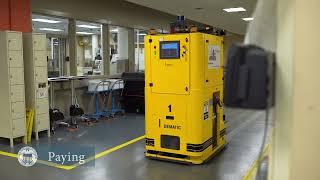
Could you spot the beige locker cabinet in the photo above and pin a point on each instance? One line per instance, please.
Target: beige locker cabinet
(12, 89)
(36, 80)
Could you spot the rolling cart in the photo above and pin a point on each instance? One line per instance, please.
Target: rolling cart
(56, 116)
(75, 109)
(107, 89)
(116, 88)
(100, 89)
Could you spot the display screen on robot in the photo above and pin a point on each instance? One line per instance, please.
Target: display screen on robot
(170, 50)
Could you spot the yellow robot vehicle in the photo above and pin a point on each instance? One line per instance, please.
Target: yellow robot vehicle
(184, 92)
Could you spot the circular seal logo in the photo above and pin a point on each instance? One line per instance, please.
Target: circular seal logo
(27, 156)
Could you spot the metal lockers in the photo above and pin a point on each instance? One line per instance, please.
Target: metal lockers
(12, 92)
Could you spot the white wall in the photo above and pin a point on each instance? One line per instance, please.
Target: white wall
(296, 141)
(139, 56)
(116, 12)
(284, 91)
(306, 127)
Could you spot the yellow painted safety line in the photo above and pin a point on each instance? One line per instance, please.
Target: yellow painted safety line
(59, 166)
(38, 161)
(250, 174)
(8, 154)
(108, 151)
(99, 155)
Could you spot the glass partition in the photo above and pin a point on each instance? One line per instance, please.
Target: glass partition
(139, 49)
(118, 50)
(89, 46)
(56, 30)
(89, 52)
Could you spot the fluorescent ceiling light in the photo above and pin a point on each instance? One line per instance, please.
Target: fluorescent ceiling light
(114, 30)
(50, 29)
(88, 26)
(238, 9)
(46, 21)
(84, 33)
(142, 34)
(248, 19)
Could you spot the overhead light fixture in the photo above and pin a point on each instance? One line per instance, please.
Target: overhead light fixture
(88, 26)
(85, 33)
(248, 19)
(238, 9)
(46, 21)
(114, 30)
(142, 34)
(50, 29)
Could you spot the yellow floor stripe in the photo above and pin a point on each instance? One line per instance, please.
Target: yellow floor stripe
(55, 165)
(99, 155)
(251, 173)
(108, 151)
(39, 161)
(119, 147)
(8, 154)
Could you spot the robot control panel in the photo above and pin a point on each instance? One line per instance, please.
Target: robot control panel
(170, 50)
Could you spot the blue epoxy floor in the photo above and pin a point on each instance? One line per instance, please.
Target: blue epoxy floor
(103, 135)
(245, 129)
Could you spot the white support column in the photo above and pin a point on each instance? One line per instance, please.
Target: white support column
(95, 45)
(123, 43)
(137, 51)
(72, 47)
(131, 50)
(106, 48)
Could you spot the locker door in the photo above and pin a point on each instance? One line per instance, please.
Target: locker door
(15, 41)
(18, 110)
(40, 58)
(170, 64)
(39, 42)
(17, 93)
(15, 59)
(42, 121)
(19, 127)
(16, 76)
(41, 74)
(42, 106)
